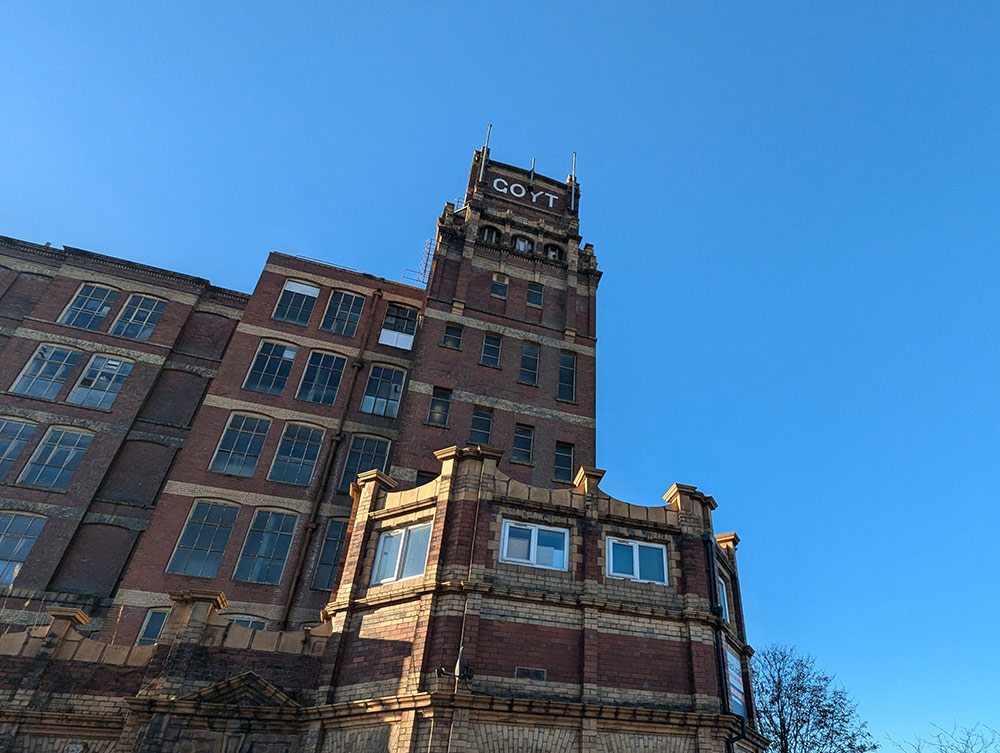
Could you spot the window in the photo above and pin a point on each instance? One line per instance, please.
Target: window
(482, 425)
(554, 252)
(401, 554)
(17, 535)
(296, 456)
(635, 560)
(203, 540)
(343, 314)
(266, 547)
(491, 351)
(45, 373)
(567, 377)
(329, 556)
(152, 626)
(101, 381)
(524, 245)
(734, 672)
(55, 458)
(440, 405)
(399, 327)
(452, 336)
(530, 544)
(425, 477)
(562, 469)
(523, 438)
(89, 307)
(723, 597)
(321, 378)
(489, 234)
(139, 317)
(270, 368)
(366, 453)
(383, 392)
(13, 436)
(240, 445)
(499, 287)
(247, 621)
(535, 294)
(529, 364)
(296, 303)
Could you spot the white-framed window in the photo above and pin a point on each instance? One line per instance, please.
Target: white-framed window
(383, 391)
(399, 327)
(723, 596)
(89, 307)
(535, 545)
(266, 547)
(18, 533)
(55, 458)
(295, 458)
(321, 378)
(203, 541)
(401, 553)
(240, 445)
(637, 560)
(14, 435)
(247, 620)
(295, 305)
(46, 371)
(139, 317)
(152, 626)
(270, 368)
(100, 383)
(343, 313)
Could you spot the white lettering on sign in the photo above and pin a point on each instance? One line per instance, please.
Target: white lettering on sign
(519, 191)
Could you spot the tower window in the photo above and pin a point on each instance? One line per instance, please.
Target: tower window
(567, 377)
(452, 336)
(535, 294)
(488, 234)
(296, 303)
(499, 287)
(555, 253)
(524, 436)
(562, 469)
(482, 425)
(491, 351)
(529, 364)
(440, 405)
(524, 245)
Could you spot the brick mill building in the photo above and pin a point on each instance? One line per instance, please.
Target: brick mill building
(342, 513)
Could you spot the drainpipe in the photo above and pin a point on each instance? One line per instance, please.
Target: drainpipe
(335, 441)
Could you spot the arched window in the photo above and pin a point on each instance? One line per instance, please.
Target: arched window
(555, 253)
(524, 245)
(489, 234)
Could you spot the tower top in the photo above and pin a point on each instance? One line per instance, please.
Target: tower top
(524, 191)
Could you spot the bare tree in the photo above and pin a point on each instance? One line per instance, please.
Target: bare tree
(799, 708)
(975, 739)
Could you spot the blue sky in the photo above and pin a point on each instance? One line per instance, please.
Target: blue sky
(795, 206)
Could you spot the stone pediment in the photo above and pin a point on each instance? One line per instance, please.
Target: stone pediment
(247, 689)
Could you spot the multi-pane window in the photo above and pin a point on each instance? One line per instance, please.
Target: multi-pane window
(536, 294)
(366, 453)
(636, 560)
(152, 626)
(440, 405)
(491, 351)
(266, 547)
(329, 556)
(529, 364)
(321, 378)
(452, 336)
(383, 391)
(270, 368)
(523, 438)
(723, 597)
(55, 458)
(524, 245)
(139, 318)
(554, 252)
(101, 381)
(401, 553)
(499, 287)
(530, 544)
(489, 234)
(45, 373)
(89, 307)
(241, 445)
(296, 456)
(343, 314)
(17, 535)
(203, 540)
(567, 377)
(13, 436)
(562, 469)
(247, 621)
(399, 327)
(296, 303)
(482, 425)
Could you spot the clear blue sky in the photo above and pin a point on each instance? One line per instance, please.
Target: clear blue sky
(795, 206)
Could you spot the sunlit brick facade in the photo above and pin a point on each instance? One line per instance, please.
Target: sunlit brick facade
(237, 515)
